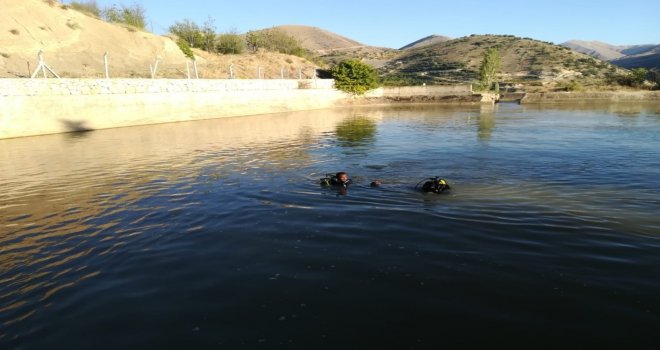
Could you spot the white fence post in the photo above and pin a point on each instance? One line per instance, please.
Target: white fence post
(195, 67)
(43, 67)
(105, 65)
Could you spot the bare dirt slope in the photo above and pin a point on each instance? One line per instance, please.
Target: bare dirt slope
(74, 43)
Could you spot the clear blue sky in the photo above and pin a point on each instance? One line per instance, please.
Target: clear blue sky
(397, 23)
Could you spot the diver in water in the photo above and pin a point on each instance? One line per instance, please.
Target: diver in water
(434, 185)
(340, 179)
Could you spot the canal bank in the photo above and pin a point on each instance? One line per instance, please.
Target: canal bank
(587, 97)
(50, 106)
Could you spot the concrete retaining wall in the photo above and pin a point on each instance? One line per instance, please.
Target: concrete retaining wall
(427, 91)
(585, 97)
(46, 106)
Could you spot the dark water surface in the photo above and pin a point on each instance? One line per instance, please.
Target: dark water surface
(216, 234)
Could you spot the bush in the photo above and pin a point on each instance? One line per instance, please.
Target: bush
(571, 86)
(134, 15)
(185, 48)
(275, 40)
(189, 31)
(635, 78)
(89, 7)
(231, 43)
(354, 76)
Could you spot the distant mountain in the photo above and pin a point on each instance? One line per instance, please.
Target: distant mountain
(647, 59)
(319, 40)
(523, 60)
(627, 56)
(429, 40)
(637, 49)
(334, 47)
(601, 50)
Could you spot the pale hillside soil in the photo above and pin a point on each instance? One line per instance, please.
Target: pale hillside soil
(74, 45)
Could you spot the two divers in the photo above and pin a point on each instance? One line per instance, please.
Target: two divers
(341, 181)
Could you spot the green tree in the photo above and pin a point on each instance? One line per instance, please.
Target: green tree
(255, 40)
(208, 35)
(231, 43)
(355, 77)
(188, 31)
(489, 68)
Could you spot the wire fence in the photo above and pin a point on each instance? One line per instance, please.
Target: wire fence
(84, 65)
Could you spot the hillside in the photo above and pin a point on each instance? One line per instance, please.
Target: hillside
(524, 61)
(429, 40)
(74, 43)
(334, 47)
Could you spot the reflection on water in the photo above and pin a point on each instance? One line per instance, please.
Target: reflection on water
(355, 131)
(486, 122)
(216, 233)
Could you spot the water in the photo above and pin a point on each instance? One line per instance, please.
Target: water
(216, 234)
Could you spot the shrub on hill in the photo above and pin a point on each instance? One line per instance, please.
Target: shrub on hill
(89, 7)
(188, 31)
(185, 48)
(230, 43)
(354, 76)
(274, 40)
(134, 16)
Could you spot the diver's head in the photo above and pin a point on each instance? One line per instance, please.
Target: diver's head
(342, 177)
(435, 185)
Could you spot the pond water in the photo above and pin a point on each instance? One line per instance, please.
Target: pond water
(216, 234)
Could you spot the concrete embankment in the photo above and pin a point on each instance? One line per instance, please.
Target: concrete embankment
(587, 97)
(47, 106)
(454, 94)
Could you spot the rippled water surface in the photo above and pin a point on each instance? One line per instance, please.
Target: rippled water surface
(216, 234)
